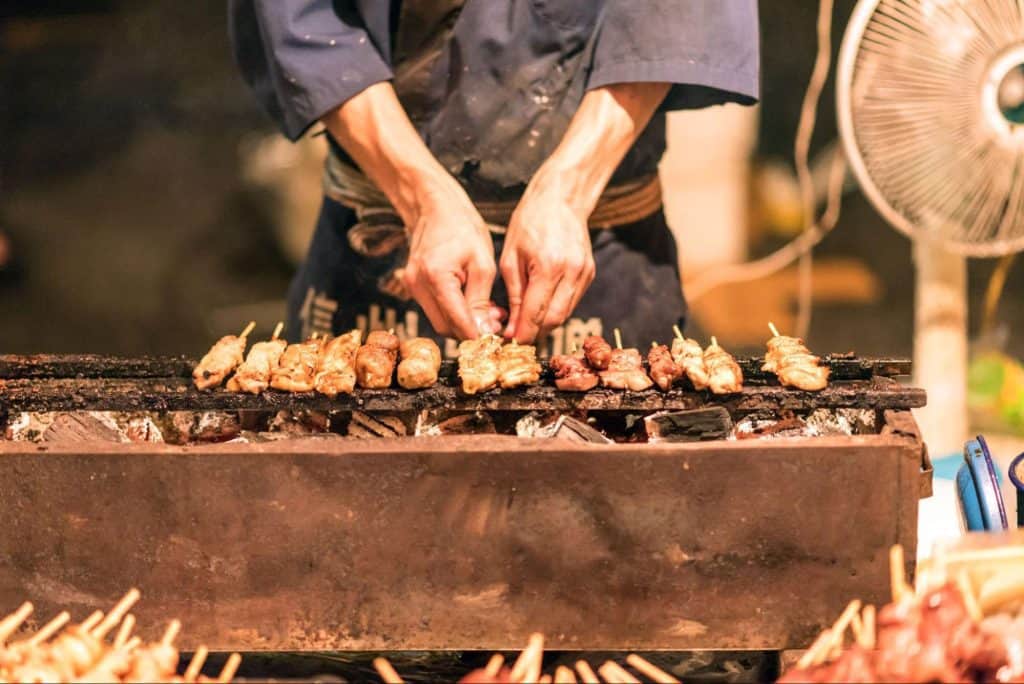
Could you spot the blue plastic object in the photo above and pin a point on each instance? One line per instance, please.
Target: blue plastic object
(981, 502)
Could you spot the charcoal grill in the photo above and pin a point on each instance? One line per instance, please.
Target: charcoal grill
(460, 542)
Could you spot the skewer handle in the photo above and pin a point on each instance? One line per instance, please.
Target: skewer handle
(248, 329)
(677, 331)
(195, 666)
(775, 331)
(386, 671)
(230, 668)
(277, 330)
(618, 338)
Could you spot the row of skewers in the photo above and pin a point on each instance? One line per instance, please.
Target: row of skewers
(528, 667)
(81, 653)
(934, 632)
(337, 365)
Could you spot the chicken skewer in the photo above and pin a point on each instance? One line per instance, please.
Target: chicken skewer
(572, 372)
(724, 374)
(336, 370)
(224, 356)
(375, 360)
(517, 365)
(479, 364)
(625, 369)
(664, 370)
(597, 352)
(421, 361)
(690, 355)
(296, 369)
(793, 363)
(253, 376)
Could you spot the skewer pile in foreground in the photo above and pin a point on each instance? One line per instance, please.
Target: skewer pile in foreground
(80, 653)
(527, 669)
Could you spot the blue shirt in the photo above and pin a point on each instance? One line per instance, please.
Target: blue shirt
(508, 74)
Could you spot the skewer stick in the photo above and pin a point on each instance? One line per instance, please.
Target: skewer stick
(618, 338)
(545, 679)
(897, 573)
(811, 657)
(386, 671)
(10, 624)
(564, 675)
(118, 612)
(230, 668)
(775, 331)
(277, 330)
(650, 670)
(574, 348)
(91, 621)
(195, 666)
(963, 582)
(843, 621)
(586, 672)
(615, 674)
(248, 329)
(525, 662)
(125, 631)
(714, 341)
(49, 629)
(494, 665)
(678, 332)
(132, 644)
(172, 631)
(869, 627)
(857, 625)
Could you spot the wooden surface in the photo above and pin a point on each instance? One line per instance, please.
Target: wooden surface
(462, 543)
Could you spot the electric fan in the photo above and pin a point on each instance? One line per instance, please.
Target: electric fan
(930, 98)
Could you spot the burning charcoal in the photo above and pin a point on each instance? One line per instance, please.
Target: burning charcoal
(434, 423)
(83, 427)
(688, 426)
(300, 422)
(369, 426)
(28, 427)
(216, 426)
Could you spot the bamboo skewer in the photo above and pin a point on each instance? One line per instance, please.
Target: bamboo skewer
(118, 612)
(91, 621)
(248, 329)
(10, 624)
(132, 644)
(172, 632)
(869, 627)
(970, 600)
(386, 671)
(564, 675)
(897, 573)
(545, 679)
(49, 629)
(125, 631)
(811, 657)
(494, 665)
(838, 628)
(678, 332)
(230, 667)
(586, 672)
(618, 338)
(775, 331)
(277, 330)
(650, 670)
(195, 666)
(613, 673)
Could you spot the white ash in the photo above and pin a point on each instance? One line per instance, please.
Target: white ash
(80, 426)
(436, 423)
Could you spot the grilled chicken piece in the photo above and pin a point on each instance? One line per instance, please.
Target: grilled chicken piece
(375, 360)
(690, 355)
(572, 374)
(223, 357)
(253, 376)
(626, 371)
(724, 374)
(479, 364)
(421, 360)
(794, 364)
(664, 369)
(517, 365)
(296, 369)
(336, 372)
(597, 352)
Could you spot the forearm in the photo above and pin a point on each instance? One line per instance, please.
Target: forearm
(609, 120)
(377, 133)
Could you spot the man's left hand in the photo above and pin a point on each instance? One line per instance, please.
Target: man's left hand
(546, 262)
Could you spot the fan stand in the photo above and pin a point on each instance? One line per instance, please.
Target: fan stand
(940, 345)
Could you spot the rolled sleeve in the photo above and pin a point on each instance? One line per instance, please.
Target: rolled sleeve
(306, 58)
(708, 49)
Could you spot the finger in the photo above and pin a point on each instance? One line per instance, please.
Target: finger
(479, 283)
(421, 294)
(446, 289)
(561, 307)
(536, 300)
(513, 273)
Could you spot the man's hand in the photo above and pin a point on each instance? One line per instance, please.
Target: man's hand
(451, 256)
(451, 262)
(547, 262)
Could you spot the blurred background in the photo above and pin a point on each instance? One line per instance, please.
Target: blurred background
(147, 206)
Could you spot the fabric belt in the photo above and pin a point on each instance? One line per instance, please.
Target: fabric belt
(619, 205)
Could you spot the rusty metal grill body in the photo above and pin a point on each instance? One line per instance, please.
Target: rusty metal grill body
(459, 542)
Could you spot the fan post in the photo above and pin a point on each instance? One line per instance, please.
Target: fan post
(940, 345)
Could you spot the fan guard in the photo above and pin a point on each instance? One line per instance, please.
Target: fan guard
(931, 112)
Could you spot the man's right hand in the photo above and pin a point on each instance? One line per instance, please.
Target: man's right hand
(451, 257)
(451, 267)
